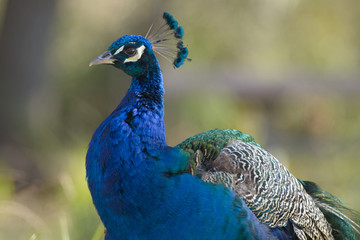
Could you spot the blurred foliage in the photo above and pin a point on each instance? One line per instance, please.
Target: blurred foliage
(315, 134)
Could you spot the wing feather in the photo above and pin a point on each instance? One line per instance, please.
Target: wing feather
(267, 187)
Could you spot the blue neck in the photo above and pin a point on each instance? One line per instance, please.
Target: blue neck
(143, 105)
(150, 83)
(125, 145)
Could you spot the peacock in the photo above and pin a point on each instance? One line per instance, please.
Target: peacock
(219, 184)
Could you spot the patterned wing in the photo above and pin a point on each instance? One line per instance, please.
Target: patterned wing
(268, 188)
(233, 159)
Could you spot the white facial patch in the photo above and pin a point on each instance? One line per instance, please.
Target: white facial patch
(140, 51)
(119, 50)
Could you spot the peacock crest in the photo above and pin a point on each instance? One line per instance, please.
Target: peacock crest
(166, 39)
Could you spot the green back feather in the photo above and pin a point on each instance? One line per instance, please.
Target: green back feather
(209, 144)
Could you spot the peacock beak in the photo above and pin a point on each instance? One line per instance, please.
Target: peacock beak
(105, 58)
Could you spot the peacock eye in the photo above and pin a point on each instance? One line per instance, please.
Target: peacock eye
(130, 51)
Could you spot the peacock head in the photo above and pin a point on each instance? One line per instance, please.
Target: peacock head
(134, 54)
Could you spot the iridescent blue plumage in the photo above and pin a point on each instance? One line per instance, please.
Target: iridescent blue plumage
(144, 189)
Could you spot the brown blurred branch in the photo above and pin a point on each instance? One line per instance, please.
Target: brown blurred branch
(23, 43)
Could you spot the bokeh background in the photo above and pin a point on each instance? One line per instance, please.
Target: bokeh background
(284, 71)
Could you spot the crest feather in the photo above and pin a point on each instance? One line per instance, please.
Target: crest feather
(166, 39)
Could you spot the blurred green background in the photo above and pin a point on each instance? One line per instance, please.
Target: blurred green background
(284, 71)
